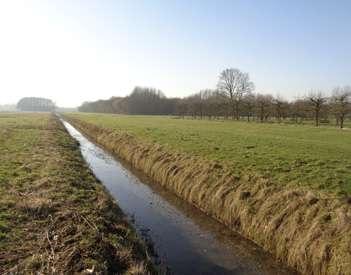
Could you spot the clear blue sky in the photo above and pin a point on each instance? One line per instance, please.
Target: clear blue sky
(73, 51)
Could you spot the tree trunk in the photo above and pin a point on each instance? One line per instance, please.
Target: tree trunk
(261, 114)
(233, 110)
(341, 121)
(237, 110)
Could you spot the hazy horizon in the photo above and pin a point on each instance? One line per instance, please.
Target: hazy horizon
(80, 51)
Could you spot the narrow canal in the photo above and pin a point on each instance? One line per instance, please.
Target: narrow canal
(184, 239)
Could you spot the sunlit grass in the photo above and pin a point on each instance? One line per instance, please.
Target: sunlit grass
(307, 156)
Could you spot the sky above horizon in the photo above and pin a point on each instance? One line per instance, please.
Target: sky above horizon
(75, 51)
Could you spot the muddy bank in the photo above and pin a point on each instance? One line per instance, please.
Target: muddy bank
(302, 229)
(56, 217)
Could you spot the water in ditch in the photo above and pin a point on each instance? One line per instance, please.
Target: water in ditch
(185, 240)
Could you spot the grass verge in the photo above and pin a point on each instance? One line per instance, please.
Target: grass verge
(55, 217)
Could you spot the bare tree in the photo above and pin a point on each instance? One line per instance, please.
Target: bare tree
(263, 104)
(280, 108)
(210, 104)
(340, 104)
(234, 84)
(317, 100)
(249, 105)
(299, 110)
(195, 104)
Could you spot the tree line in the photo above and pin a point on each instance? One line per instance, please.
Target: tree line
(233, 98)
(142, 101)
(36, 104)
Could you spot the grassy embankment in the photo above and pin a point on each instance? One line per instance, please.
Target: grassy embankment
(55, 217)
(285, 187)
(305, 156)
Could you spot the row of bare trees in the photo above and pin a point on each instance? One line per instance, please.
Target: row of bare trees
(233, 98)
(263, 108)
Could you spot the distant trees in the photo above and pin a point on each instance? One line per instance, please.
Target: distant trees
(142, 101)
(340, 104)
(249, 104)
(233, 99)
(264, 106)
(299, 110)
(36, 104)
(199, 105)
(317, 101)
(234, 85)
(281, 108)
(148, 101)
(100, 106)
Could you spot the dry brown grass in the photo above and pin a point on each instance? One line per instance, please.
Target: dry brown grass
(308, 231)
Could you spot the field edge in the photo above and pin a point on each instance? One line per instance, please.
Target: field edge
(64, 219)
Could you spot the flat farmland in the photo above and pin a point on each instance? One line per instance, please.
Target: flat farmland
(292, 155)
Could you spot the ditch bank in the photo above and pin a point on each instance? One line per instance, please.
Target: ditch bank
(305, 230)
(56, 217)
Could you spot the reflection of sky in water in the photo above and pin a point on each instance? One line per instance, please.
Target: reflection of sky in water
(187, 240)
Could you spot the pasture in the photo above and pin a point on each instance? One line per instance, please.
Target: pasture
(292, 155)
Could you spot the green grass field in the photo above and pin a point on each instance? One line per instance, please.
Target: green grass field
(317, 158)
